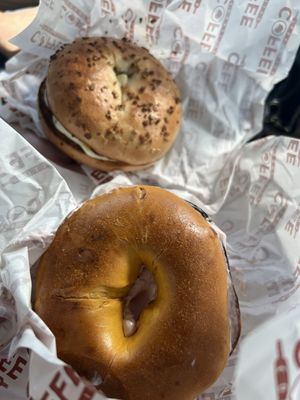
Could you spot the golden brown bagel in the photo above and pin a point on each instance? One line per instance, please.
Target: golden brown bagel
(183, 338)
(114, 97)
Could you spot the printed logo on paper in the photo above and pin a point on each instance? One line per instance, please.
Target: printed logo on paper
(66, 384)
(230, 69)
(108, 8)
(196, 106)
(286, 385)
(292, 226)
(281, 373)
(179, 51)
(99, 177)
(129, 18)
(72, 15)
(25, 163)
(190, 6)
(284, 286)
(266, 170)
(216, 26)
(48, 38)
(293, 153)
(13, 370)
(153, 20)
(281, 31)
(253, 13)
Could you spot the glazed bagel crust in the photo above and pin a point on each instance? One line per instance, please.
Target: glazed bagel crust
(116, 98)
(183, 339)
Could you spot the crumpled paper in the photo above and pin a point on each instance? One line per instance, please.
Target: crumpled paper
(278, 363)
(34, 199)
(261, 218)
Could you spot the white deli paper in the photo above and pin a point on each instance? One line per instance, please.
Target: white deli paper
(261, 217)
(276, 369)
(34, 199)
(222, 53)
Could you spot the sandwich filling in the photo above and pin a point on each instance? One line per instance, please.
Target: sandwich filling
(61, 129)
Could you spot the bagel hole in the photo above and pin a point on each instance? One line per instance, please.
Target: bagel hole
(123, 75)
(142, 292)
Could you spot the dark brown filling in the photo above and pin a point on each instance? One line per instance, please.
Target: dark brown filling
(141, 294)
(233, 303)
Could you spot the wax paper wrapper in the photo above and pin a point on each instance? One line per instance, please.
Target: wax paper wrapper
(278, 364)
(34, 199)
(225, 56)
(261, 218)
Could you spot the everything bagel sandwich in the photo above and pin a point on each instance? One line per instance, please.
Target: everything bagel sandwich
(109, 104)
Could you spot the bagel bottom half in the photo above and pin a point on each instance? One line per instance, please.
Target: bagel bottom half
(70, 149)
(182, 341)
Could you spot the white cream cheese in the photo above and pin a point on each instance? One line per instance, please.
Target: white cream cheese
(122, 79)
(86, 149)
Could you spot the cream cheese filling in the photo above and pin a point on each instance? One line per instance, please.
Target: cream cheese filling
(86, 149)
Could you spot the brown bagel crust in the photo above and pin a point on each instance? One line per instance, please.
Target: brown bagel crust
(183, 339)
(135, 124)
(77, 154)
